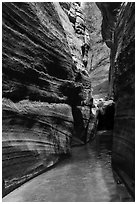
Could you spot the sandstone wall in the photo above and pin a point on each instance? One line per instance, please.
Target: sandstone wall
(41, 81)
(34, 135)
(99, 52)
(35, 50)
(121, 37)
(124, 92)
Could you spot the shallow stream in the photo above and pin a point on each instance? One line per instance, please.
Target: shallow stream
(86, 176)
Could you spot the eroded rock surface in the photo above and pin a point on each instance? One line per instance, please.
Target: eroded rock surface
(99, 53)
(74, 24)
(34, 51)
(34, 135)
(120, 33)
(49, 51)
(41, 81)
(124, 91)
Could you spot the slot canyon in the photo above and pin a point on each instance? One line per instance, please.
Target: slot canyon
(68, 101)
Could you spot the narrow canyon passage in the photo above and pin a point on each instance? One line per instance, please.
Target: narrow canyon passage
(68, 72)
(86, 176)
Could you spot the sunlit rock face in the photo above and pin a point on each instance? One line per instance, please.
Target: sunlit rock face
(74, 24)
(122, 84)
(41, 82)
(99, 53)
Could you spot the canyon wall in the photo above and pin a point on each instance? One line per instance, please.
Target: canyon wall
(53, 53)
(99, 52)
(118, 30)
(44, 80)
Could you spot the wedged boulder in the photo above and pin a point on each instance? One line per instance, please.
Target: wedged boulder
(34, 134)
(84, 125)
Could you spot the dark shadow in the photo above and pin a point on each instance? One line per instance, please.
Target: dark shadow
(106, 119)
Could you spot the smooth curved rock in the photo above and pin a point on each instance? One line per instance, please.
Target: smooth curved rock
(34, 133)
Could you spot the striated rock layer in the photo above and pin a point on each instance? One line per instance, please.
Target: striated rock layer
(99, 53)
(41, 81)
(36, 63)
(34, 134)
(34, 51)
(120, 33)
(124, 91)
(74, 24)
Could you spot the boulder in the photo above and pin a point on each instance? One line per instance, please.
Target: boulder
(84, 125)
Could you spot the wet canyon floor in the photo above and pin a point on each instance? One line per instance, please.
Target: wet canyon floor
(86, 176)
